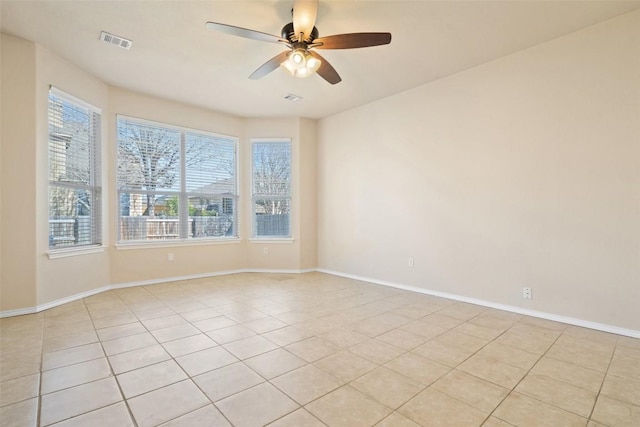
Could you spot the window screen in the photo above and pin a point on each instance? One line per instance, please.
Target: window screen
(74, 187)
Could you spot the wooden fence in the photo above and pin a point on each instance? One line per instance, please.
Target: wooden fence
(272, 225)
(69, 231)
(145, 228)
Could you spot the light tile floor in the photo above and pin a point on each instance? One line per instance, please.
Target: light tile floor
(307, 350)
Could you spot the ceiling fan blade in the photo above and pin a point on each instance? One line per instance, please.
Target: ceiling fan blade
(244, 32)
(304, 17)
(326, 71)
(352, 40)
(269, 66)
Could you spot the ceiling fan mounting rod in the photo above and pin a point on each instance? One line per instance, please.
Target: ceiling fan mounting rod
(288, 33)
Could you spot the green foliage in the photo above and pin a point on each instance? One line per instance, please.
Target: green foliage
(193, 211)
(172, 206)
(172, 209)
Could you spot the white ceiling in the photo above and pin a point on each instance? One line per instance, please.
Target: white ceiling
(175, 57)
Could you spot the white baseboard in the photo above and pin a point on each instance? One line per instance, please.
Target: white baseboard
(75, 297)
(513, 309)
(18, 312)
(52, 304)
(173, 279)
(276, 271)
(71, 298)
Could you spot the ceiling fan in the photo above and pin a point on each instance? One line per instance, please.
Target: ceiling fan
(302, 37)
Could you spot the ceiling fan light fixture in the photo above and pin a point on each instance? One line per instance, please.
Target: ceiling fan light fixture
(297, 58)
(300, 63)
(313, 63)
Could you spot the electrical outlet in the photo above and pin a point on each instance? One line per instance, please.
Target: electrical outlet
(410, 262)
(170, 256)
(265, 251)
(526, 293)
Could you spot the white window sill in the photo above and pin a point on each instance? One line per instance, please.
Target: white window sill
(271, 240)
(174, 243)
(70, 252)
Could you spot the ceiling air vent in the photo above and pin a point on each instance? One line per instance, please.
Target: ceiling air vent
(116, 40)
(293, 98)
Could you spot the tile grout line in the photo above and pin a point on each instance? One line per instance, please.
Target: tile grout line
(317, 312)
(404, 352)
(39, 405)
(411, 351)
(467, 358)
(126, 400)
(588, 418)
(126, 403)
(604, 378)
(522, 379)
(191, 378)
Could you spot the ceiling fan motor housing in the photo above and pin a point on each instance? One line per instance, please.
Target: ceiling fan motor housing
(288, 33)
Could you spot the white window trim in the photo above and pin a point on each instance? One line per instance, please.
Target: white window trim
(65, 252)
(84, 104)
(71, 252)
(173, 126)
(143, 244)
(273, 240)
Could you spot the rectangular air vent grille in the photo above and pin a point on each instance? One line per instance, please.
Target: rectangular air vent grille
(116, 40)
(293, 98)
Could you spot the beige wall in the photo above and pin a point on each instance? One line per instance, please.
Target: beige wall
(523, 172)
(299, 252)
(62, 277)
(308, 194)
(29, 277)
(142, 263)
(18, 146)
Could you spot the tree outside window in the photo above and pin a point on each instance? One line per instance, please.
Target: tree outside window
(172, 182)
(271, 188)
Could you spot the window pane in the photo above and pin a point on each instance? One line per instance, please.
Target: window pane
(211, 216)
(137, 222)
(175, 183)
(210, 164)
(74, 191)
(210, 173)
(272, 217)
(71, 138)
(271, 169)
(70, 217)
(148, 157)
(271, 189)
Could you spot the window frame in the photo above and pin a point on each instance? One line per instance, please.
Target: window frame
(94, 186)
(254, 229)
(184, 238)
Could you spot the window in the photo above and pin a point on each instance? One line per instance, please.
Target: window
(74, 173)
(271, 188)
(174, 183)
